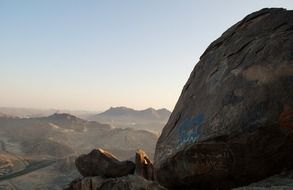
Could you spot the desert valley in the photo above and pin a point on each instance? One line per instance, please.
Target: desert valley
(39, 152)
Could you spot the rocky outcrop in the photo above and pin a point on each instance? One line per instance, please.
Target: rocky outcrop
(103, 171)
(233, 123)
(129, 182)
(102, 163)
(143, 165)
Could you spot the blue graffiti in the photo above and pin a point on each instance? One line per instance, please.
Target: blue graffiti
(190, 129)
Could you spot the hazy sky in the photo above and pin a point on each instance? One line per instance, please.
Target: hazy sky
(90, 54)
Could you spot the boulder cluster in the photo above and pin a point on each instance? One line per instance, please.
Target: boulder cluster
(233, 123)
(103, 171)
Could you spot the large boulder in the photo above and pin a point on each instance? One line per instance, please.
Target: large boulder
(102, 163)
(130, 182)
(233, 123)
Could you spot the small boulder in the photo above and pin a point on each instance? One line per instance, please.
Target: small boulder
(144, 166)
(102, 163)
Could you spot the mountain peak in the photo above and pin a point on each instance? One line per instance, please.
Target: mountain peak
(118, 111)
(120, 108)
(149, 109)
(62, 116)
(128, 116)
(163, 110)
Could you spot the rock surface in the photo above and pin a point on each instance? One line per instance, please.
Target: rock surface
(233, 123)
(130, 182)
(102, 163)
(143, 165)
(283, 181)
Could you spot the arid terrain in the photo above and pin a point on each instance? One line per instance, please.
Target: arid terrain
(39, 152)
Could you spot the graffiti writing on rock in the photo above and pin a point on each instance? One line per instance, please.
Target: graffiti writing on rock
(205, 158)
(190, 129)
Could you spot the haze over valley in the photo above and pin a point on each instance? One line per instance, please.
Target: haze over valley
(47, 146)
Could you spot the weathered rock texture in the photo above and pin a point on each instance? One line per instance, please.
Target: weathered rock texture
(283, 181)
(102, 163)
(143, 165)
(233, 123)
(130, 182)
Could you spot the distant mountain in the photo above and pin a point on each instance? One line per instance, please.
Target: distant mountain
(148, 119)
(32, 112)
(149, 114)
(68, 121)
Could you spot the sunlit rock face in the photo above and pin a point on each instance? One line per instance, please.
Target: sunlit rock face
(233, 123)
(102, 163)
(101, 170)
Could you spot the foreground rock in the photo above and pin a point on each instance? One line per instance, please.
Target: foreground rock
(130, 182)
(283, 181)
(102, 163)
(233, 123)
(143, 165)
